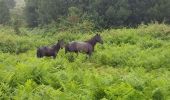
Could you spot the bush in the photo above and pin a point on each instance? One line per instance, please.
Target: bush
(123, 91)
(131, 64)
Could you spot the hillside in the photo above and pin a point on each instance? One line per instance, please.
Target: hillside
(132, 64)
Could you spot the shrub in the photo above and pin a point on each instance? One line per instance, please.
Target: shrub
(131, 64)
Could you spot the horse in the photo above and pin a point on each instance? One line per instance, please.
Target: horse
(50, 51)
(85, 46)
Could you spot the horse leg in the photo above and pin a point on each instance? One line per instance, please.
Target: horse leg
(93, 49)
(77, 53)
(54, 56)
(89, 53)
(65, 51)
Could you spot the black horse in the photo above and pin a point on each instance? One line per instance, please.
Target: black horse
(50, 51)
(85, 47)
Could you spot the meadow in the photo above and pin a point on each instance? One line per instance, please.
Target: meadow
(132, 64)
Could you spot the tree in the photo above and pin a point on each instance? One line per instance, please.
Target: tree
(4, 12)
(31, 14)
(10, 3)
(117, 14)
(104, 13)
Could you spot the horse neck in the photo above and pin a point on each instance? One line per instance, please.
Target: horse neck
(56, 47)
(92, 42)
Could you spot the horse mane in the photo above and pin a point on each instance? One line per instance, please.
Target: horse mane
(56, 47)
(92, 41)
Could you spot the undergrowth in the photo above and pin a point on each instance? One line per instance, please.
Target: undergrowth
(132, 64)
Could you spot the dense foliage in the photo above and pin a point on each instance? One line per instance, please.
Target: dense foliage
(4, 12)
(132, 64)
(97, 13)
(5, 6)
(103, 13)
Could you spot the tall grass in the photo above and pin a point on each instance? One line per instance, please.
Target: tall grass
(132, 64)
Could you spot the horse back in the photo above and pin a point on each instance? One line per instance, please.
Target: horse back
(45, 51)
(79, 46)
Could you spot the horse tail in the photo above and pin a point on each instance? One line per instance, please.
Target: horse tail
(66, 48)
(38, 53)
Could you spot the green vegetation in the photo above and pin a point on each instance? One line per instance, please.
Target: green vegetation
(132, 64)
(5, 6)
(103, 13)
(4, 15)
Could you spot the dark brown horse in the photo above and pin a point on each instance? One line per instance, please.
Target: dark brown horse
(85, 47)
(50, 51)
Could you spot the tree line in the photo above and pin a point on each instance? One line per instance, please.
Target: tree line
(5, 5)
(103, 13)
